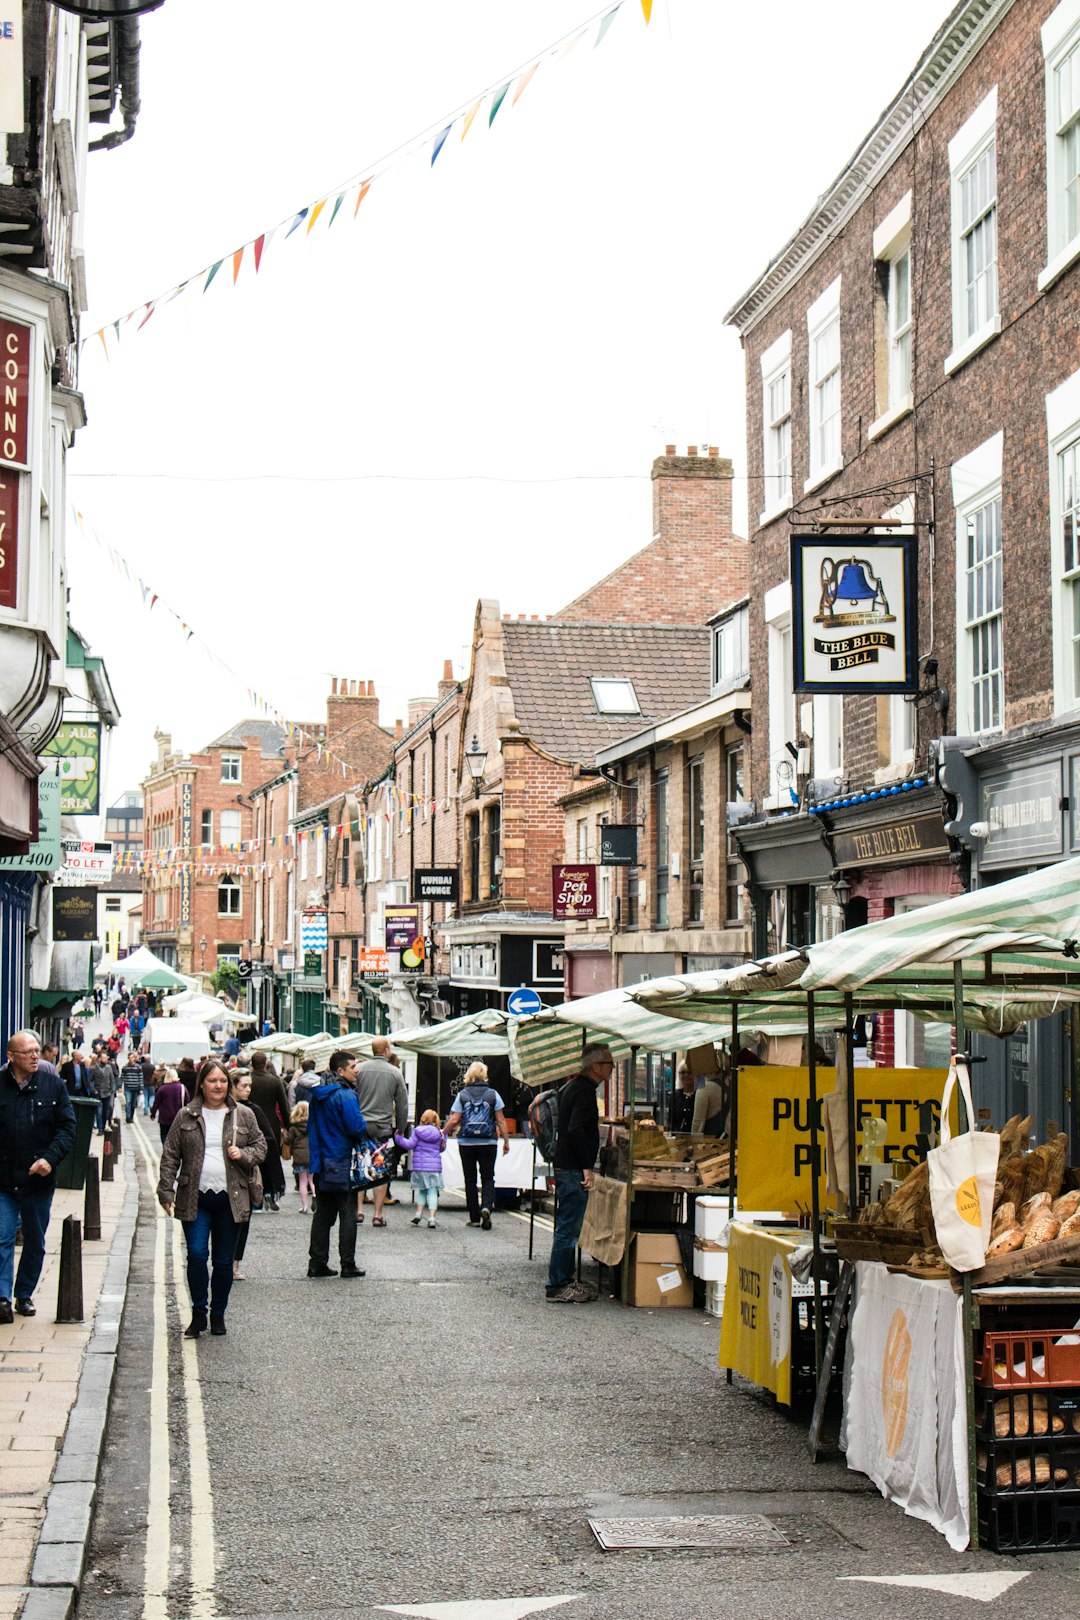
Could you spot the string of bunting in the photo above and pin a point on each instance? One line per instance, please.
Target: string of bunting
(352, 775)
(352, 192)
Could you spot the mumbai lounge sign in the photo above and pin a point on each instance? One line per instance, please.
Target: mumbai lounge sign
(854, 613)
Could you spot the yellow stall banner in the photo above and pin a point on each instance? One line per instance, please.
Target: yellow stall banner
(755, 1334)
(774, 1126)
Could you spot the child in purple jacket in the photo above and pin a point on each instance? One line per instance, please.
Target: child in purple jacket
(427, 1145)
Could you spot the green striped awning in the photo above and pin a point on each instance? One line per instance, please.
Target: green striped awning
(479, 1035)
(547, 1046)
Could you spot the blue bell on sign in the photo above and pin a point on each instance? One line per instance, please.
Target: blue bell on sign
(854, 587)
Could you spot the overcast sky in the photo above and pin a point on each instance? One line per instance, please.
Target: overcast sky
(460, 393)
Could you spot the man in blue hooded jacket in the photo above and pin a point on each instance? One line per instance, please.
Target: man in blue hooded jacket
(335, 1123)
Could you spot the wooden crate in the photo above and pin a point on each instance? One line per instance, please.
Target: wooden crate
(855, 1240)
(1022, 1261)
(713, 1172)
(667, 1176)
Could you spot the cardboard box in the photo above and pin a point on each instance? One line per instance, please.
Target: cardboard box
(657, 1278)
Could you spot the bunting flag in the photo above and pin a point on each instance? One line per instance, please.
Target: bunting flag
(646, 6)
(433, 138)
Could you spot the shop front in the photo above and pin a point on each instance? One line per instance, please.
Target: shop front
(790, 867)
(497, 953)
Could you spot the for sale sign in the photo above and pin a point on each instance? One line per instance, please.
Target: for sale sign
(573, 893)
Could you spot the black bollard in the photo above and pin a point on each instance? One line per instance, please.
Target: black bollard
(114, 1132)
(69, 1296)
(92, 1202)
(107, 1157)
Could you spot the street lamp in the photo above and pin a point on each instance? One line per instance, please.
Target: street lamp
(476, 759)
(202, 951)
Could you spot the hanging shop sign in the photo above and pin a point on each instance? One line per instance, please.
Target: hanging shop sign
(314, 932)
(573, 893)
(618, 845)
(402, 925)
(74, 914)
(77, 746)
(854, 613)
(774, 1126)
(85, 863)
(901, 840)
(43, 855)
(436, 884)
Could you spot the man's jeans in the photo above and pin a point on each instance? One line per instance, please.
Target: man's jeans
(482, 1159)
(333, 1203)
(131, 1098)
(571, 1199)
(213, 1225)
(30, 1207)
(105, 1107)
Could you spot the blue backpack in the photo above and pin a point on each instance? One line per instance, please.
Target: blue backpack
(477, 1114)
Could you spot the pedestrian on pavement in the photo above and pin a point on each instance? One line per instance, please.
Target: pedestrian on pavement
(103, 1087)
(213, 1145)
(149, 1071)
(37, 1130)
(75, 1074)
(478, 1118)
(303, 1083)
(384, 1103)
(117, 1008)
(78, 1034)
(99, 997)
(577, 1142)
(186, 1074)
(50, 1058)
(273, 1172)
(169, 1098)
(232, 1044)
(682, 1101)
(300, 1153)
(268, 1091)
(131, 1078)
(335, 1124)
(427, 1144)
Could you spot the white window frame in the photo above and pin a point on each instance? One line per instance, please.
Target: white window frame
(824, 313)
(1060, 38)
(731, 636)
(976, 481)
(828, 733)
(782, 726)
(231, 883)
(892, 244)
(776, 463)
(229, 762)
(290, 906)
(1062, 432)
(614, 695)
(320, 851)
(967, 148)
(224, 823)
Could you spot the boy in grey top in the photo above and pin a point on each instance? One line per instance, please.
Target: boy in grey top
(384, 1103)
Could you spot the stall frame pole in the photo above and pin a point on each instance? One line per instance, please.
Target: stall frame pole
(852, 1120)
(815, 1199)
(733, 1135)
(630, 1089)
(532, 1202)
(967, 1124)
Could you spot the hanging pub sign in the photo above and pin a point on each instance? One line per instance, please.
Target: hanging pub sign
(74, 915)
(618, 845)
(436, 884)
(854, 613)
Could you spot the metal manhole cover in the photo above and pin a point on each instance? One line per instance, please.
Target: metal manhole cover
(749, 1530)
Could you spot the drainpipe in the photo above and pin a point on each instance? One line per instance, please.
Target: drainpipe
(127, 52)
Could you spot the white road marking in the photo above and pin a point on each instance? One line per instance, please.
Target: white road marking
(481, 1608)
(158, 1540)
(540, 1220)
(982, 1588)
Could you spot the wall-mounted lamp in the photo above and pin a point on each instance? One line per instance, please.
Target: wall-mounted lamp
(475, 760)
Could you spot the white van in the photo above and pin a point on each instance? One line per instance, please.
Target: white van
(170, 1039)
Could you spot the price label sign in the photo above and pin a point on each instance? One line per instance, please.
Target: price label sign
(573, 893)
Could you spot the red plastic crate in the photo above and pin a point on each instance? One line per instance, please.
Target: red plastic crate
(1036, 1358)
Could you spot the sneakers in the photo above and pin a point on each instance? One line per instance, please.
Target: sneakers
(349, 1268)
(6, 1313)
(217, 1327)
(415, 1220)
(572, 1294)
(25, 1307)
(474, 1223)
(314, 1270)
(485, 1219)
(432, 1225)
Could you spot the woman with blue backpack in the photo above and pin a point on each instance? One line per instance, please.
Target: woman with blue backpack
(477, 1117)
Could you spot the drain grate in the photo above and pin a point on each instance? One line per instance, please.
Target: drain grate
(733, 1530)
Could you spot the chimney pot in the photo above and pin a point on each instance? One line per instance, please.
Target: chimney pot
(714, 450)
(691, 449)
(506, 615)
(399, 730)
(669, 449)
(521, 615)
(333, 687)
(448, 669)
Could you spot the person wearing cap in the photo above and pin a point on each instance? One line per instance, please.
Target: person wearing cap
(577, 1142)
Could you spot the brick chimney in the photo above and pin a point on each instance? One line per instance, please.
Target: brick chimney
(349, 703)
(418, 707)
(448, 683)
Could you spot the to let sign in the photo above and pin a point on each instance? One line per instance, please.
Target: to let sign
(573, 893)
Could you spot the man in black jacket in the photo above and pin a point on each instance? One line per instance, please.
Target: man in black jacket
(577, 1142)
(37, 1129)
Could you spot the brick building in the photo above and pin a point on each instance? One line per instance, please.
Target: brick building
(198, 821)
(911, 352)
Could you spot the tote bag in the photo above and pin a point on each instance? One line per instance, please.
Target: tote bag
(371, 1163)
(962, 1175)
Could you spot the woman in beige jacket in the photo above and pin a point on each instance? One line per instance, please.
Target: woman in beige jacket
(213, 1147)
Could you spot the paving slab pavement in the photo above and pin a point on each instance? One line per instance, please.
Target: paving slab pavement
(55, 1382)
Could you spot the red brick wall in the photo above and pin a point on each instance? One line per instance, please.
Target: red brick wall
(1001, 388)
(694, 566)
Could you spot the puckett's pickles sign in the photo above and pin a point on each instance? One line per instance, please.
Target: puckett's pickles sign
(854, 613)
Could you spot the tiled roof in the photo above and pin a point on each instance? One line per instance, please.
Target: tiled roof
(549, 664)
(271, 737)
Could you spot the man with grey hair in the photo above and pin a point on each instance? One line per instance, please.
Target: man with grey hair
(37, 1130)
(577, 1142)
(384, 1103)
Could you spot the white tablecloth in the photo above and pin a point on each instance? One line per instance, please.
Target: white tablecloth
(906, 1411)
(513, 1169)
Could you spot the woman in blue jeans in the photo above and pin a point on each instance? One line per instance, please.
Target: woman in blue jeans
(213, 1146)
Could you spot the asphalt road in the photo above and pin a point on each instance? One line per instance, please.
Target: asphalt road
(437, 1433)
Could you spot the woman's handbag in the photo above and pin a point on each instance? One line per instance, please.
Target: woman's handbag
(286, 1147)
(371, 1164)
(254, 1175)
(962, 1173)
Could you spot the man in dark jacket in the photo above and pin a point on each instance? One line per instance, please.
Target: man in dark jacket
(268, 1093)
(577, 1142)
(37, 1130)
(75, 1074)
(335, 1123)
